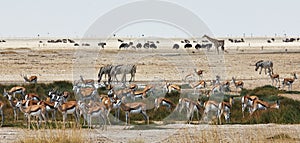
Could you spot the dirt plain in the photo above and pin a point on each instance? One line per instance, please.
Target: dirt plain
(66, 62)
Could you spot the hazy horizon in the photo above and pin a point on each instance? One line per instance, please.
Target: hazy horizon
(73, 18)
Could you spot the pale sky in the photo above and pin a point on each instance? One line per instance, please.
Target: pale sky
(72, 18)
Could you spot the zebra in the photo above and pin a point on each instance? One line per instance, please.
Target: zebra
(264, 64)
(123, 69)
(104, 70)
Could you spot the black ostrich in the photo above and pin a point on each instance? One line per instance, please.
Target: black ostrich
(139, 45)
(146, 45)
(175, 46)
(153, 46)
(197, 46)
(188, 45)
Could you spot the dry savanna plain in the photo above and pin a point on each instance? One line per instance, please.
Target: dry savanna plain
(66, 62)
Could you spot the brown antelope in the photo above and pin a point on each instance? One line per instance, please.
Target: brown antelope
(247, 101)
(66, 108)
(31, 79)
(161, 101)
(170, 87)
(49, 106)
(14, 90)
(87, 93)
(96, 110)
(237, 84)
(87, 82)
(33, 110)
(198, 85)
(142, 93)
(2, 112)
(224, 109)
(274, 77)
(13, 105)
(190, 106)
(32, 96)
(262, 105)
(221, 88)
(210, 107)
(289, 81)
(133, 108)
(198, 73)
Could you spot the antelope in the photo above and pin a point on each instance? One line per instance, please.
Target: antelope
(198, 85)
(13, 105)
(198, 73)
(87, 82)
(190, 107)
(32, 96)
(224, 109)
(31, 79)
(66, 108)
(2, 112)
(289, 81)
(14, 90)
(170, 87)
(262, 105)
(120, 93)
(133, 108)
(210, 106)
(143, 93)
(223, 87)
(274, 77)
(85, 93)
(93, 110)
(49, 106)
(161, 101)
(33, 110)
(237, 84)
(247, 101)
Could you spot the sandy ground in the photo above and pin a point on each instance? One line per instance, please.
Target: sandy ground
(52, 62)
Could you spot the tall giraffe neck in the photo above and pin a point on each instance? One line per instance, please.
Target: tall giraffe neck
(211, 39)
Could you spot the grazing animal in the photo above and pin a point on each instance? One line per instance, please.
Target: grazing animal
(105, 70)
(274, 77)
(289, 81)
(2, 112)
(237, 84)
(170, 87)
(134, 108)
(123, 69)
(175, 46)
(31, 79)
(188, 45)
(14, 90)
(161, 101)
(70, 107)
(247, 101)
(33, 110)
(217, 43)
(262, 105)
(264, 64)
(190, 106)
(224, 109)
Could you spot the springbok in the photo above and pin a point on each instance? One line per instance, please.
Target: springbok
(66, 108)
(210, 106)
(224, 109)
(262, 105)
(221, 88)
(289, 81)
(198, 73)
(274, 77)
(87, 82)
(190, 106)
(13, 105)
(142, 93)
(33, 110)
(2, 112)
(87, 93)
(198, 85)
(49, 106)
(31, 79)
(237, 84)
(161, 101)
(95, 110)
(247, 101)
(133, 108)
(170, 87)
(14, 90)
(32, 96)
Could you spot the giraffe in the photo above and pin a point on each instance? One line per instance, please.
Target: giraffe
(217, 43)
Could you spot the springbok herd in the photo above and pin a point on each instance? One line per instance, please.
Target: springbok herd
(130, 97)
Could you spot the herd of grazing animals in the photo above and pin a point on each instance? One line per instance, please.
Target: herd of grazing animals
(91, 105)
